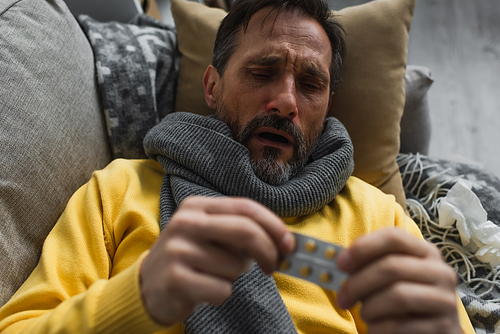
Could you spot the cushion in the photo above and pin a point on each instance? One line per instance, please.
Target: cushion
(196, 27)
(369, 99)
(51, 127)
(144, 53)
(415, 123)
(152, 9)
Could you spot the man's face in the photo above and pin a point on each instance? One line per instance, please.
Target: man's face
(274, 93)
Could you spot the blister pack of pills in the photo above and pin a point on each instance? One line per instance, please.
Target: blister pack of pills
(314, 261)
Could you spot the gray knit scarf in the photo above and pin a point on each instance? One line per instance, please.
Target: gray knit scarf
(200, 157)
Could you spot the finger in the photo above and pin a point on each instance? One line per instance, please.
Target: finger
(408, 299)
(194, 288)
(385, 271)
(177, 291)
(208, 258)
(416, 325)
(379, 243)
(203, 288)
(269, 221)
(236, 232)
(241, 233)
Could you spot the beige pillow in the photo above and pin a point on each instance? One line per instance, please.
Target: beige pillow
(369, 99)
(152, 9)
(196, 26)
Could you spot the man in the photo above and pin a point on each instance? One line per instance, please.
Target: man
(107, 268)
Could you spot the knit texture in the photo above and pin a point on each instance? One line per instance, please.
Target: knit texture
(200, 157)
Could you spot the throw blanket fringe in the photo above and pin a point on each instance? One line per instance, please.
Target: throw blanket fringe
(423, 210)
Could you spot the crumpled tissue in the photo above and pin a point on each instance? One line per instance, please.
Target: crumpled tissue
(477, 233)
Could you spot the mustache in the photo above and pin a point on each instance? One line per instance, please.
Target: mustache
(273, 121)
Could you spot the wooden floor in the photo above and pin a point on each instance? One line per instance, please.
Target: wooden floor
(459, 40)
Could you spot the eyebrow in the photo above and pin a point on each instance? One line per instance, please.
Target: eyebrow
(309, 68)
(264, 61)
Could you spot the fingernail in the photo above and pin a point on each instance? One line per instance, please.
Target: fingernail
(289, 242)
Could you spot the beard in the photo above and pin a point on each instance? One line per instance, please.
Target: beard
(267, 165)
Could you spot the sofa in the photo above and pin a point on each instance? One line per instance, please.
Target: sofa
(76, 94)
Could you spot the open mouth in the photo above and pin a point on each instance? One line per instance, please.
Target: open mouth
(274, 137)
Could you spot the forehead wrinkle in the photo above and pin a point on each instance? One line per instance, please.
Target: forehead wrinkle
(310, 42)
(308, 66)
(287, 43)
(281, 28)
(295, 45)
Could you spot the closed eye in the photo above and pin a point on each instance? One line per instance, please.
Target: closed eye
(261, 75)
(311, 86)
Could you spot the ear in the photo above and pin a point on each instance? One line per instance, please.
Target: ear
(330, 103)
(330, 100)
(211, 82)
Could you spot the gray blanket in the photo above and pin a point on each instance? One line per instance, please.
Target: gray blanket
(426, 180)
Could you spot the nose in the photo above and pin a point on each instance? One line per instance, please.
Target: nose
(283, 98)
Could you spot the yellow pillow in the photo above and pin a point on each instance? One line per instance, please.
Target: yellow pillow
(370, 98)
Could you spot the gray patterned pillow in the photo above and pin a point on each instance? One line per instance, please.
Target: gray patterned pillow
(137, 67)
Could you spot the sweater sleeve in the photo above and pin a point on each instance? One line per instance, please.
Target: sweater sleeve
(75, 286)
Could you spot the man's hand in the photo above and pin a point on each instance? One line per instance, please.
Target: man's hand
(207, 245)
(402, 282)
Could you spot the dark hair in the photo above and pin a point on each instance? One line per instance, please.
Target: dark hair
(239, 16)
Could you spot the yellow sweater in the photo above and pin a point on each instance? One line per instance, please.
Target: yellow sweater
(87, 279)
